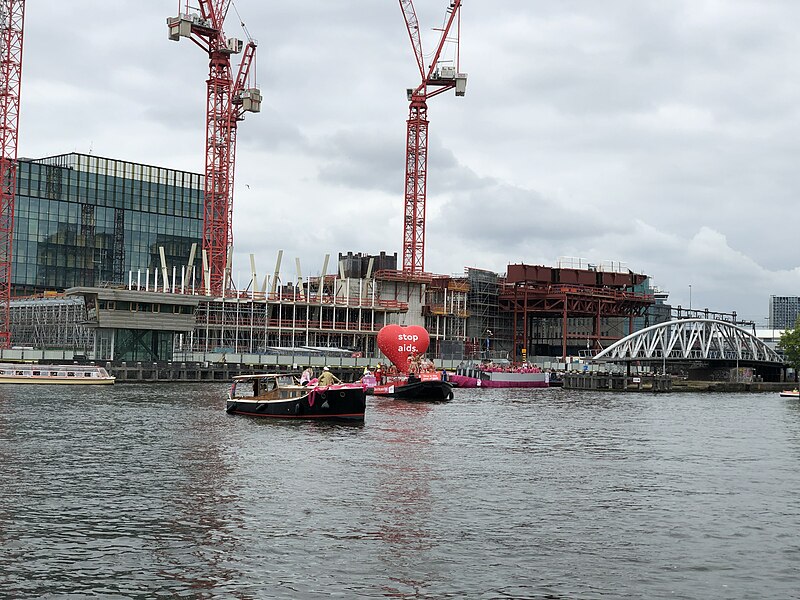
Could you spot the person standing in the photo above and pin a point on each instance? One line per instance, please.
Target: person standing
(306, 376)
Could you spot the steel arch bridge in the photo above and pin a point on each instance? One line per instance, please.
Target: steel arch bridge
(684, 340)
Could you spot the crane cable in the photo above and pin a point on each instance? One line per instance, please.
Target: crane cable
(241, 22)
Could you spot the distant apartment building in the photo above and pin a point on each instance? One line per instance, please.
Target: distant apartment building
(783, 311)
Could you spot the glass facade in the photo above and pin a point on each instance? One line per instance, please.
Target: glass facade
(83, 220)
(135, 345)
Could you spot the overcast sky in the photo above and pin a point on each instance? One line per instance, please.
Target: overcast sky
(663, 135)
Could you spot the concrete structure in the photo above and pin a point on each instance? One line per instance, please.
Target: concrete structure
(130, 325)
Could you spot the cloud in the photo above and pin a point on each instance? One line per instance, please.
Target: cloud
(662, 135)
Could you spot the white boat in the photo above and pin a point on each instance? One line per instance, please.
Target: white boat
(54, 374)
(790, 394)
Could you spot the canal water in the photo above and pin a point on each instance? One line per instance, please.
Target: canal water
(146, 491)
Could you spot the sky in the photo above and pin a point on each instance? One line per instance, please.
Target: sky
(660, 135)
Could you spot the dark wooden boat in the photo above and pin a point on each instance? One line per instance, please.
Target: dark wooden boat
(277, 396)
(427, 389)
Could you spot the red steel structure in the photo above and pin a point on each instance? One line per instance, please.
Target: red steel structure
(227, 101)
(534, 290)
(443, 78)
(12, 19)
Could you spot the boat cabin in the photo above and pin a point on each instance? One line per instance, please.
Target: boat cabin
(269, 386)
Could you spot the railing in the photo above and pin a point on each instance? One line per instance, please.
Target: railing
(293, 297)
(245, 321)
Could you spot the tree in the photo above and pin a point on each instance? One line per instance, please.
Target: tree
(789, 344)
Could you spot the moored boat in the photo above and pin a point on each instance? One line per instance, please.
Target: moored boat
(277, 396)
(477, 376)
(413, 376)
(29, 373)
(427, 387)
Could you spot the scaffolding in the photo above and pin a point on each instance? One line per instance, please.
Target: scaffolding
(319, 313)
(54, 322)
(488, 329)
(446, 313)
(328, 312)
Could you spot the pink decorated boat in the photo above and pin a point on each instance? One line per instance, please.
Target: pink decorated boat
(490, 376)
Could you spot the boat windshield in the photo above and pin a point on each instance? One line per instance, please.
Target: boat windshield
(285, 380)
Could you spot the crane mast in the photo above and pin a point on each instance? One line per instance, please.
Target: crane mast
(443, 78)
(12, 19)
(227, 99)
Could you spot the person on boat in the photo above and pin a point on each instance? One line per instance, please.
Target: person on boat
(327, 378)
(368, 379)
(306, 376)
(378, 374)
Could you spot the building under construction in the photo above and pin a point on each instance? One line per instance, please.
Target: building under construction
(532, 311)
(571, 309)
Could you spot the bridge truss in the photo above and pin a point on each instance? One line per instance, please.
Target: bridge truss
(691, 339)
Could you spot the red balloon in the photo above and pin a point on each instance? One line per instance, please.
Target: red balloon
(398, 343)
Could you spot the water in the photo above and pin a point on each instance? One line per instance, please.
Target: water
(146, 491)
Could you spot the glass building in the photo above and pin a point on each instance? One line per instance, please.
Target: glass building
(83, 220)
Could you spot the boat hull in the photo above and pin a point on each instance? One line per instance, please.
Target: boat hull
(502, 380)
(36, 374)
(324, 404)
(422, 391)
(58, 380)
(790, 394)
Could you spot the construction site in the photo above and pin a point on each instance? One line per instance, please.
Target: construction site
(107, 310)
(532, 313)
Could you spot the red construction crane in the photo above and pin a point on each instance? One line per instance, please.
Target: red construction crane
(227, 101)
(443, 77)
(12, 19)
